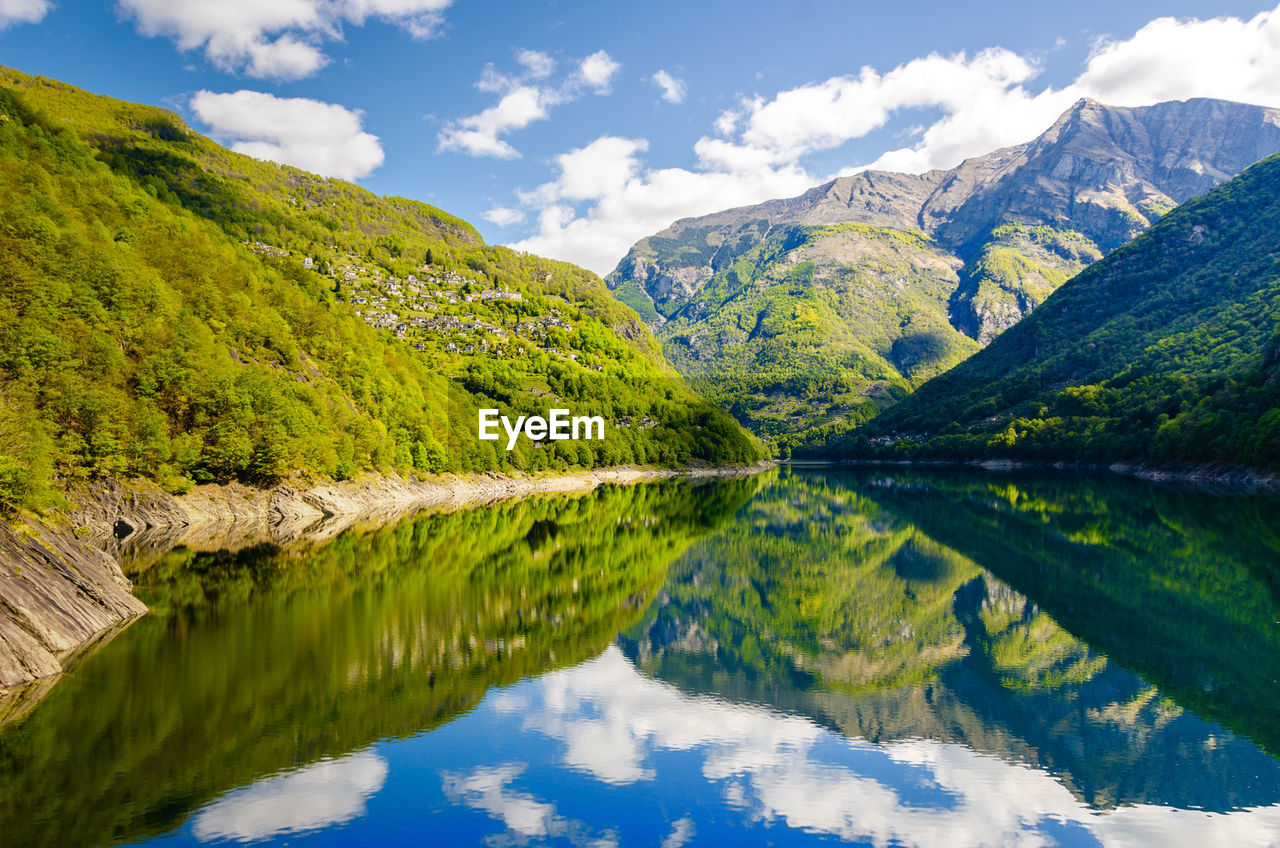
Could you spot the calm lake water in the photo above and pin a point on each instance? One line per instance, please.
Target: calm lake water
(804, 656)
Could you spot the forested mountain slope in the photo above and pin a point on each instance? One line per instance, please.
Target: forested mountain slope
(1167, 350)
(177, 311)
(829, 306)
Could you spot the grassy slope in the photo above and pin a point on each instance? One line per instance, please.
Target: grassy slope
(804, 332)
(1167, 350)
(143, 337)
(818, 324)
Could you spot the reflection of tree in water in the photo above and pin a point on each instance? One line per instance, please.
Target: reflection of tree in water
(828, 598)
(264, 660)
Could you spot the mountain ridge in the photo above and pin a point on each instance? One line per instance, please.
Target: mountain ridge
(183, 313)
(1016, 223)
(1165, 351)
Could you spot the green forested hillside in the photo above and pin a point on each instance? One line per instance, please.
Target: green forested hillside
(816, 322)
(177, 311)
(805, 316)
(1167, 350)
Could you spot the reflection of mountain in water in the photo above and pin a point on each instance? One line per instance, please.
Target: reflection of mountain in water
(263, 661)
(826, 598)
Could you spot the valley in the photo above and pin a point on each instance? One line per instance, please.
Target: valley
(807, 316)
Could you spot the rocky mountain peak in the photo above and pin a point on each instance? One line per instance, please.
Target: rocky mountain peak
(869, 283)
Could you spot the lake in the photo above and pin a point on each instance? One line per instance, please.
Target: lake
(805, 656)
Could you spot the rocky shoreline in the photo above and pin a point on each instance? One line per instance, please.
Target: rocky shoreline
(62, 588)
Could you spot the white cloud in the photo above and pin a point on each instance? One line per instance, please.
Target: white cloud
(420, 18)
(628, 200)
(986, 100)
(321, 137)
(1170, 59)
(503, 216)
(523, 101)
(681, 832)
(478, 135)
(826, 115)
(23, 11)
(487, 789)
(538, 65)
(319, 795)
(673, 90)
(272, 40)
(598, 71)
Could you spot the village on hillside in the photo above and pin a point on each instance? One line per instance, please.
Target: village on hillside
(438, 308)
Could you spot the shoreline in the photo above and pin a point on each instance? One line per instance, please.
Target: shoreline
(126, 518)
(1230, 476)
(63, 589)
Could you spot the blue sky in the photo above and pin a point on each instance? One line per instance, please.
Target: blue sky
(574, 128)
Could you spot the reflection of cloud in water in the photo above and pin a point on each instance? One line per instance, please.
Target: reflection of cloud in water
(779, 768)
(315, 796)
(488, 789)
(609, 716)
(681, 832)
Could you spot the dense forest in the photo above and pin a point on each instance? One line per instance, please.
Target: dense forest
(1168, 350)
(807, 316)
(180, 312)
(795, 340)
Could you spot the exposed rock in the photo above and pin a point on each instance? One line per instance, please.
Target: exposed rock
(57, 593)
(906, 275)
(1102, 171)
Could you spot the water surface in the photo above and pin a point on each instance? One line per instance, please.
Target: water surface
(809, 656)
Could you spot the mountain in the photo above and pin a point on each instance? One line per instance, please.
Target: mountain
(1168, 350)
(827, 306)
(177, 311)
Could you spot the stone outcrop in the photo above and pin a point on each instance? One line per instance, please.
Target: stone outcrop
(1103, 172)
(57, 594)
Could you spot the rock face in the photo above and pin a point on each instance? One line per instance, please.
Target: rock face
(57, 593)
(1104, 172)
(1015, 224)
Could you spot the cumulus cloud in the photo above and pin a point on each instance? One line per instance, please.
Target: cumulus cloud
(1168, 59)
(503, 216)
(325, 138)
(478, 135)
(598, 71)
(672, 89)
(628, 200)
(488, 789)
(1171, 59)
(976, 102)
(277, 40)
(681, 832)
(828, 114)
(538, 65)
(23, 11)
(523, 99)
